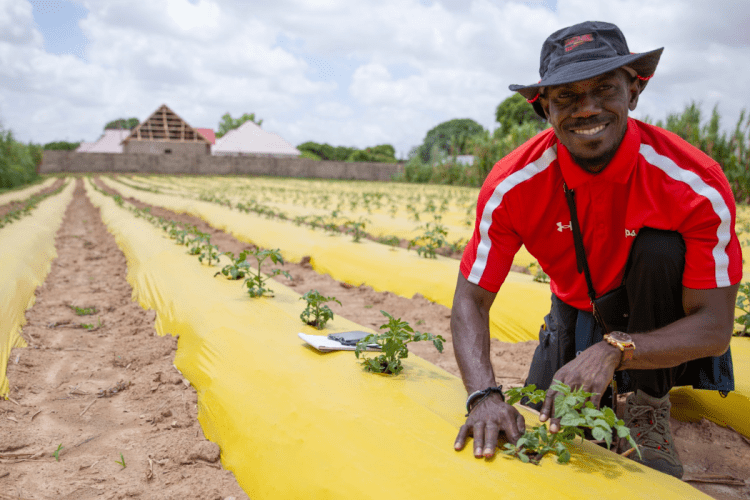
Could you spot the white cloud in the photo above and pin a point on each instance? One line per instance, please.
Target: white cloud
(350, 73)
(17, 24)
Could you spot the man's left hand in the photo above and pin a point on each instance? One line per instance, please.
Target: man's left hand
(592, 370)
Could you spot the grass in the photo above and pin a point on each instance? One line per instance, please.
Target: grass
(83, 311)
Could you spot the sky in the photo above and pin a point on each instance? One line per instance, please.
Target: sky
(346, 72)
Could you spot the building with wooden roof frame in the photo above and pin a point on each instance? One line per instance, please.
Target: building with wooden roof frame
(164, 132)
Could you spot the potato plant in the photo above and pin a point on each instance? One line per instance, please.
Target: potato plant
(27, 206)
(743, 304)
(356, 228)
(575, 412)
(209, 252)
(393, 346)
(239, 267)
(316, 313)
(539, 275)
(432, 239)
(256, 283)
(389, 240)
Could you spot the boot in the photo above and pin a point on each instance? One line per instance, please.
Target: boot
(648, 420)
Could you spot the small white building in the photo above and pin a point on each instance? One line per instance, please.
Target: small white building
(251, 140)
(109, 142)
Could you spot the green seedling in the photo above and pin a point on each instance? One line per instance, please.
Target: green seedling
(356, 228)
(393, 345)
(389, 240)
(430, 240)
(576, 413)
(196, 244)
(90, 326)
(121, 461)
(457, 246)
(331, 226)
(539, 275)
(316, 314)
(57, 452)
(239, 267)
(743, 304)
(209, 252)
(256, 284)
(413, 211)
(83, 311)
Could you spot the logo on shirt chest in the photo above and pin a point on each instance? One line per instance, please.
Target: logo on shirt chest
(561, 226)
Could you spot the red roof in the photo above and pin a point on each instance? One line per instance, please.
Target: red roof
(208, 134)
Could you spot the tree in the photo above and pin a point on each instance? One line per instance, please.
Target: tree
(449, 138)
(62, 145)
(228, 123)
(384, 153)
(516, 111)
(122, 123)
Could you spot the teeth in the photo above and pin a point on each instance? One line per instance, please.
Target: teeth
(590, 131)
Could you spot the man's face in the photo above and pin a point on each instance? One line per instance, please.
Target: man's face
(590, 117)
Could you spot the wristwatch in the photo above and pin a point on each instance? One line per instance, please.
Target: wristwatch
(623, 342)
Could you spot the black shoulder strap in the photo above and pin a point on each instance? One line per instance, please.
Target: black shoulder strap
(583, 265)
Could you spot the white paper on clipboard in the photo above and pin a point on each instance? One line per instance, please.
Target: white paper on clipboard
(324, 344)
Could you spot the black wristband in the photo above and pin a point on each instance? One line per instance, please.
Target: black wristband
(478, 396)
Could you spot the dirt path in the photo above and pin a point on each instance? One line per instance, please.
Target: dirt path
(100, 390)
(124, 349)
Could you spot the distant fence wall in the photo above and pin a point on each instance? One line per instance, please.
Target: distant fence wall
(142, 163)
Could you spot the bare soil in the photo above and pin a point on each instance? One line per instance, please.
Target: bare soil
(152, 421)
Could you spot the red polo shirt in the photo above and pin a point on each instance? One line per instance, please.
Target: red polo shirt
(655, 180)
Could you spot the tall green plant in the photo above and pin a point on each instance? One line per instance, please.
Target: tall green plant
(18, 161)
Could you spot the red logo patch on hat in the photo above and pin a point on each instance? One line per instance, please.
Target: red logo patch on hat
(572, 43)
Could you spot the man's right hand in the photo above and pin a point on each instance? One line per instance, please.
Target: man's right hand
(485, 422)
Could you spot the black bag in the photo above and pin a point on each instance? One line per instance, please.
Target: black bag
(612, 310)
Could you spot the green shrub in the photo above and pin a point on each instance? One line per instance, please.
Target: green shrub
(18, 161)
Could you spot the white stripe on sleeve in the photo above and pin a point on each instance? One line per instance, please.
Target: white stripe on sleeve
(699, 186)
(526, 173)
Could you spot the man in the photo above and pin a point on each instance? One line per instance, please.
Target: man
(656, 216)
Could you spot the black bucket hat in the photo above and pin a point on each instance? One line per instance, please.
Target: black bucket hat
(585, 51)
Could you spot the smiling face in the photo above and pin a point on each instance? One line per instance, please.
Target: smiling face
(590, 117)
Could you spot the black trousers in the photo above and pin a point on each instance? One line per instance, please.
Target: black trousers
(653, 279)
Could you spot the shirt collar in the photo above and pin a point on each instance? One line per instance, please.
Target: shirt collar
(618, 170)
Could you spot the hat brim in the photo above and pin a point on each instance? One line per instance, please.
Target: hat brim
(643, 63)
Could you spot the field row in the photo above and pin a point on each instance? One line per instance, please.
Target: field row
(271, 402)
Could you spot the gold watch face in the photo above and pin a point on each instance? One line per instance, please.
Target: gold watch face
(621, 337)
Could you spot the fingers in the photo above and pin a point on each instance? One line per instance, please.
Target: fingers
(554, 426)
(596, 399)
(491, 432)
(478, 439)
(548, 408)
(520, 425)
(515, 427)
(463, 433)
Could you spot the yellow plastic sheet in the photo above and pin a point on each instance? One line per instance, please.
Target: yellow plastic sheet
(734, 410)
(27, 247)
(294, 423)
(276, 193)
(516, 315)
(22, 194)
